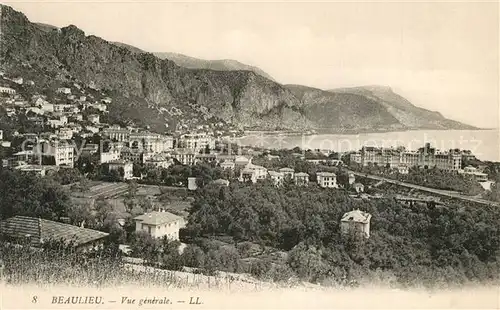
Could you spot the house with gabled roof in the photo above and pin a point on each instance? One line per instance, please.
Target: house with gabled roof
(227, 164)
(159, 224)
(253, 173)
(288, 173)
(37, 231)
(301, 178)
(326, 179)
(241, 161)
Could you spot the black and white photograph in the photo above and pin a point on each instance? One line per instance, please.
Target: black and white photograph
(249, 155)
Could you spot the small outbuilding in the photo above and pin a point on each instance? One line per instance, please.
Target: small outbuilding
(192, 184)
(359, 188)
(221, 182)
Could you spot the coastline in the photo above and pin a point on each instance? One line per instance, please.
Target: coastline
(248, 133)
(482, 142)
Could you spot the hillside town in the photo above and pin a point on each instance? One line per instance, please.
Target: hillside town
(191, 199)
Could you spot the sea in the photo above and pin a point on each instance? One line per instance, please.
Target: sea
(484, 144)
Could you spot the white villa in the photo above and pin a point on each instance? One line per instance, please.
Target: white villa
(327, 179)
(159, 224)
(253, 173)
(474, 172)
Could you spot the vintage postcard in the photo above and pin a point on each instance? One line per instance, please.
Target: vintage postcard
(249, 155)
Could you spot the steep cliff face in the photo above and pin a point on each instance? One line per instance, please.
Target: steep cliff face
(347, 111)
(234, 96)
(146, 86)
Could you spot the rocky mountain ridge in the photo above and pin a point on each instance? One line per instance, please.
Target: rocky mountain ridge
(148, 85)
(197, 63)
(218, 64)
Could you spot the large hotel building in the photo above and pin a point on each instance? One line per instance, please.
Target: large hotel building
(424, 157)
(143, 140)
(197, 142)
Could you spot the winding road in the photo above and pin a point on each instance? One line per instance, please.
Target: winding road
(440, 192)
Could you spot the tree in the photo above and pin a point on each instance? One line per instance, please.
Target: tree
(307, 263)
(193, 256)
(82, 186)
(494, 193)
(409, 243)
(30, 195)
(146, 204)
(137, 170)
(132, 190)
(144, 246)
(103, 209)
(67, 176)
(153, 176)
(343, 179)
(82, 214)
(170, 257)
(115, 175)
(117, 234)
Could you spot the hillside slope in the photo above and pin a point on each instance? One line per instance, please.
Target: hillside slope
(409, 115)
(147, 89)
(67, 54)
(348, 111)
(196, 63)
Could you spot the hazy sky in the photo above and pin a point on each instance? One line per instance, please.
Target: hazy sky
(441, 56)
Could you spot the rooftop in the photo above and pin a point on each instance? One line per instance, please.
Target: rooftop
(118, 162)
(371, 148)
(470, 168)
(41, 230)
(159, 158)
(36, 167)
(301, 174)
(221, 182)
(253, 167)
(247, 171)
(275, 174)
(286, 169)
(326, 174)
(241, 159)
(356, 216)
(28, 152)
(157, 218)
(184, 151)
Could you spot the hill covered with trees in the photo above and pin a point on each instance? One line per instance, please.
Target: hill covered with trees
(409, 245)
